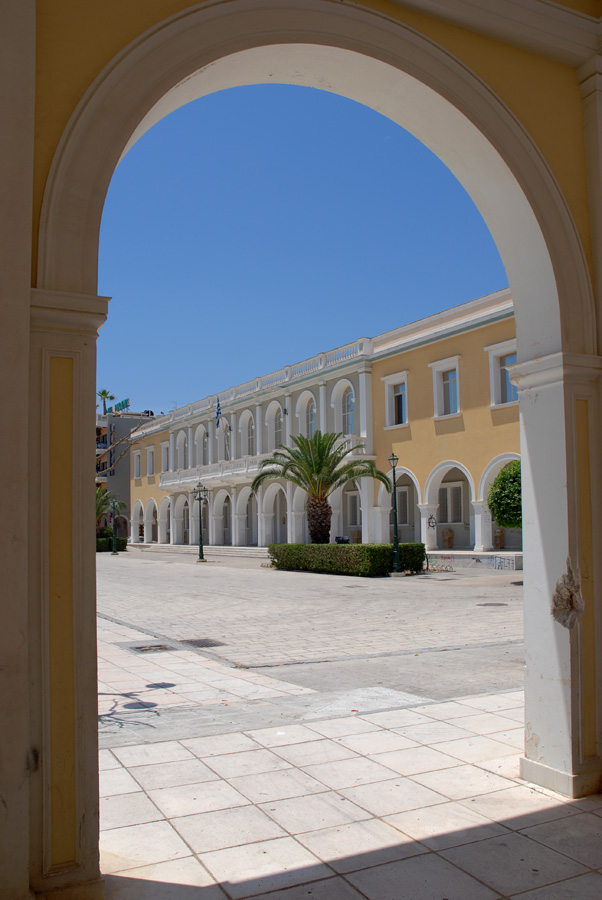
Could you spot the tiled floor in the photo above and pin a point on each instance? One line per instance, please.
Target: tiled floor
(345, 808)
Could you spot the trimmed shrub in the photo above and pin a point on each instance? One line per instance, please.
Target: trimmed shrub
(412, 557)
(504, 500)
(365, 560)
(105, 544)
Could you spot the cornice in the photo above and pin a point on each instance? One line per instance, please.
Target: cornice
(539, 26)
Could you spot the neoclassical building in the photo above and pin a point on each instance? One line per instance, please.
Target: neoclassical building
(436, 392)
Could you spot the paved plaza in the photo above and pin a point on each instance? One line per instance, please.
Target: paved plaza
(337, 739)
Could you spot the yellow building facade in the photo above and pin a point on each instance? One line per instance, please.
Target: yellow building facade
(383, 394)
(509, 96)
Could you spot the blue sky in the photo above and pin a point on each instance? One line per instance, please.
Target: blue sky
(261, 225)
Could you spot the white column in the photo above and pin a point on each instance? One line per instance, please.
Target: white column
(191, 506)
(428, 535)
(366, 490)
(210, 442)
(233, 517)
(210, 530)
(365, 377)
(380, 525)
(288, 419)
(172, 451)
(323, 427)
(258, 429)
(260, 529)
(233, 441)
(190, 462)
(148, 528)
(290, 525)
(559, 399)
(483, 536)
(268, 528)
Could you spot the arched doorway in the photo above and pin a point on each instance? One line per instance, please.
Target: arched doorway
(274, 513)
(164, 530)
(488, 536)
(449, 498)
(137, 523)
(395, 69)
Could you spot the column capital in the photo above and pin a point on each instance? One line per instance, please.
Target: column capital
(67, 313)
(555, 369)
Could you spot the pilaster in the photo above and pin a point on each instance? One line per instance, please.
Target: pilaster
(64, 801)
(559, 397)
(428, 533)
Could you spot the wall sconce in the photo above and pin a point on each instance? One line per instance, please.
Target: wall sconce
(432, 522)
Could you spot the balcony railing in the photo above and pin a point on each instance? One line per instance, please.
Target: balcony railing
(225, 470)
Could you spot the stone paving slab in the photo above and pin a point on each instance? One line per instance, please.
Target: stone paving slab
(263, 616)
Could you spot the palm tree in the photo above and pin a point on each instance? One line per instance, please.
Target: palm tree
(104, 396)
(319, 466)
(104, 502)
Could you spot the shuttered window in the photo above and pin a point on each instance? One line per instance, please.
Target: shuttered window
(450, 504)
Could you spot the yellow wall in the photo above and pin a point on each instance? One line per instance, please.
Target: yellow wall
(147, 486)
(76, 40)
(475, 437)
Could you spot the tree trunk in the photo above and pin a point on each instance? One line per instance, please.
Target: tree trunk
(319, 515)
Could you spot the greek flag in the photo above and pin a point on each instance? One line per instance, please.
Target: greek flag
(218, 413)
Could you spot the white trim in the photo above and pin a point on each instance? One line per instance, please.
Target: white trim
(439, 368)
(137, 464)
(150, 457)
(391, 382)
(496, 352)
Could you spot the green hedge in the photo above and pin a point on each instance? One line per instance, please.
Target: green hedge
(412, 557)
(106, 543)
(367, 560)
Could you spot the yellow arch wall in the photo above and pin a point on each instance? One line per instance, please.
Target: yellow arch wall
(76, 40)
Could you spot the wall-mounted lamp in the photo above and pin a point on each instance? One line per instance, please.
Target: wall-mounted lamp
(432, 522)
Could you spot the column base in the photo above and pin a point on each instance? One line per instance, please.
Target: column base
(562, 782)
(91, 890)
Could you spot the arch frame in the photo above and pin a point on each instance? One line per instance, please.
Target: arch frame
(436, 476)
(494, 465)
(161, 64)
(384, 496)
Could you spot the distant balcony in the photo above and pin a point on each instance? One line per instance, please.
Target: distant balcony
(217, 474)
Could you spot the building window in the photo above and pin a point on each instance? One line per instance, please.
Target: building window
(400, 407)
(446, 387)
(165, 457)
(204, 448)
(348, 402)
(500, 357)
(353, 509)
(150, 461)
(251, 436)
(277, 428)
(396, 399)
(137, 464)
(450, 504)
(402, 507)
(310, 419)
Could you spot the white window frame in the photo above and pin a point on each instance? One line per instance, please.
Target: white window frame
(350, 415)
(138, 464)
(150, 461)
(496, 352)
(349, 496)
(165, 456)
(439, 368)
(403, 490)
(448, 485)
(391, 382)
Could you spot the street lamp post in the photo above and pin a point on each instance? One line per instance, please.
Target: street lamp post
(393, 460)
(114, 508)
(200, 493)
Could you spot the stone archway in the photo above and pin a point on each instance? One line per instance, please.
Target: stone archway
(407, 77)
